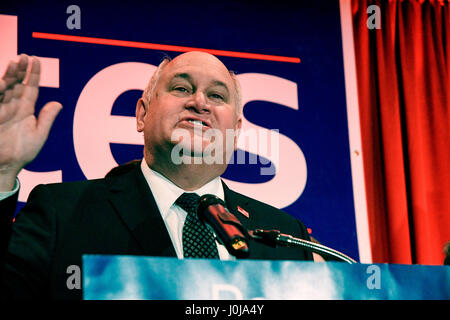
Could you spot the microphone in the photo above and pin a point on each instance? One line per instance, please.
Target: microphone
(212, 210)
(275, 238)
(230, 231)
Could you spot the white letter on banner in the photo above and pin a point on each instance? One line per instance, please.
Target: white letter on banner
(289, 160)
(94, 128)
(218, 288)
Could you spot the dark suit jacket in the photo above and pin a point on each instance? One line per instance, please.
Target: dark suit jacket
(116, 215)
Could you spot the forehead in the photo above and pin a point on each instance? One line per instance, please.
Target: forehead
(199, 66)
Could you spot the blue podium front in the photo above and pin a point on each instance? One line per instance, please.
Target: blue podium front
(152, 278)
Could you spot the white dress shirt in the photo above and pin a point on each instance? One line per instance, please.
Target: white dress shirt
(166, 193)
(6, 194)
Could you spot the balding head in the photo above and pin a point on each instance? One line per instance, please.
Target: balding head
(204, 59)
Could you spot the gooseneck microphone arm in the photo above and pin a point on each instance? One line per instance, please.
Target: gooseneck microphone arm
(276, 238)
(235, 236)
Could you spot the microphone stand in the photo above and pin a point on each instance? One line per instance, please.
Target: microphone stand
(238, 246)
(275, 238)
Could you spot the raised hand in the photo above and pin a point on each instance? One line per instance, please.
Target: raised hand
(22, 135)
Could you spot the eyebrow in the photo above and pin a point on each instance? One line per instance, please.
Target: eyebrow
(188, 77)
(185, 76)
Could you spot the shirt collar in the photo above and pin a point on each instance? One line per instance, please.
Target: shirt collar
(166, 192)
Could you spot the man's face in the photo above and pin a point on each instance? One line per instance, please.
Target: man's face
(195, 93)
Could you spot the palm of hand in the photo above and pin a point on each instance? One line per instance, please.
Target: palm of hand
(22, 135)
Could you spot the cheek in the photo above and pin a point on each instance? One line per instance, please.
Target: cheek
(227, 118)
(228, 125)
(160, 122)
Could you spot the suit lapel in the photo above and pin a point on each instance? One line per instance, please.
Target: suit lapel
(236, 205)
(233, 203)
(134, 202)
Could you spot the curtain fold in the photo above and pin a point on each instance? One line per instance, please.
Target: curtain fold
(403, 72)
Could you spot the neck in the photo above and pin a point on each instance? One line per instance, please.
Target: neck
(188, 177)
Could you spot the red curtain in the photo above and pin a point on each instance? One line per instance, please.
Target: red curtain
(403, 72)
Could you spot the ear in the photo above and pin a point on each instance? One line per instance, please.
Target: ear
(237, 130)
(141, 111)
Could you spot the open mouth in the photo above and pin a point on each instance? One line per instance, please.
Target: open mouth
(196, 122)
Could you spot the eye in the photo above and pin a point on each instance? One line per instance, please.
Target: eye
(180, 89)
(217, 96)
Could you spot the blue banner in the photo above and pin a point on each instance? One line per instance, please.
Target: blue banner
(150, 278)
(97, 57)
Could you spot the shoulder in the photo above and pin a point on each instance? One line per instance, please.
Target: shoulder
(84, 192)
(241, 198)
(265, 216)
(92, 187)
(64, 190)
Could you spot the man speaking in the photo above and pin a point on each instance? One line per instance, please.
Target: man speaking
(146, 208)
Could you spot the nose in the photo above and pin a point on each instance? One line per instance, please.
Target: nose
(198, 102)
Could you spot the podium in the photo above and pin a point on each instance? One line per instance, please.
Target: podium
(153, 278)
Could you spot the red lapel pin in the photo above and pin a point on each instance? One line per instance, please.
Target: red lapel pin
(243, 212)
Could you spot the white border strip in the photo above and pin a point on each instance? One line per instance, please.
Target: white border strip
(356, 156)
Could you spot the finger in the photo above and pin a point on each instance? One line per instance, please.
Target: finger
(17, 91)
(47, 117)
(2, 85)
(23, 60)
(35, 73)
(15, 72)
(10, 76)
(2, 89)
(14, 93)
(10, 70)
(30, 93)
(8, 95)
(22, 66)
